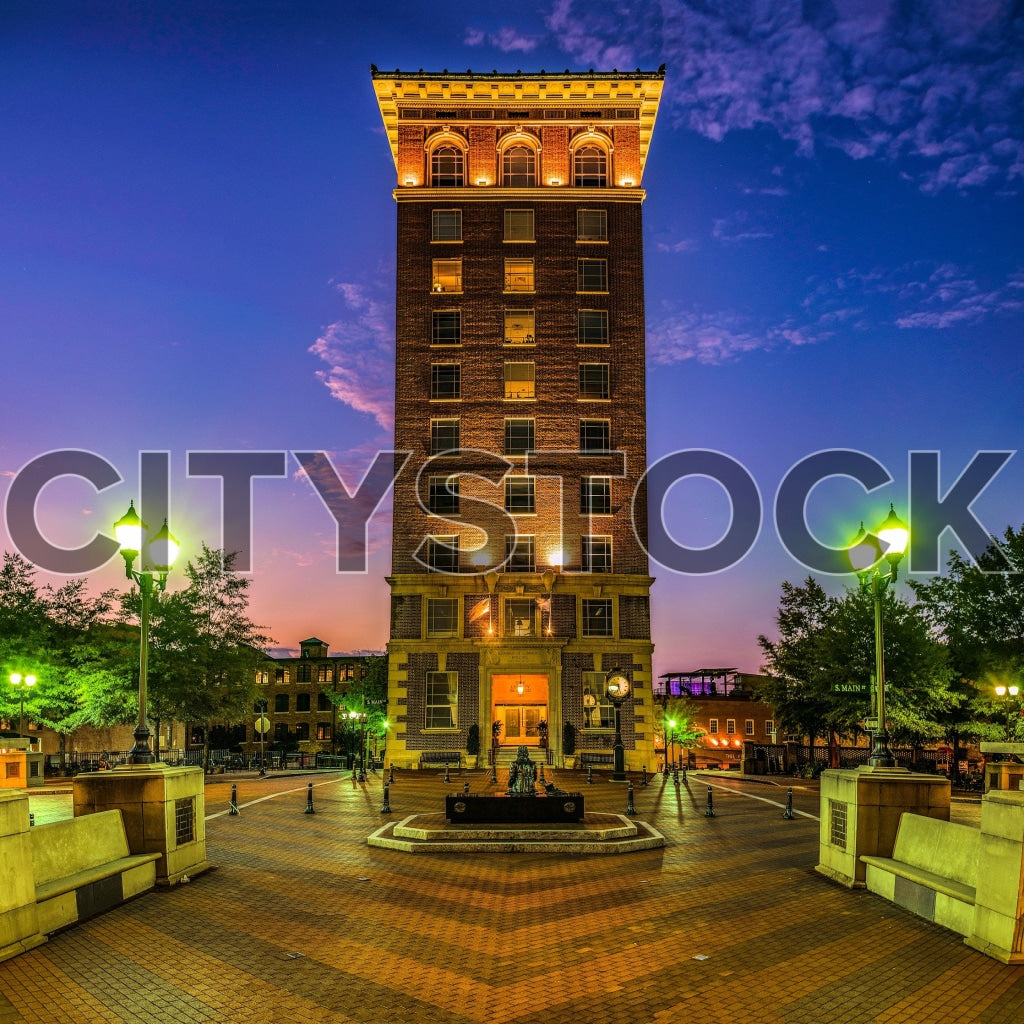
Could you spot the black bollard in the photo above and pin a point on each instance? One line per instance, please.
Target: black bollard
(447, 777)
(542, 779)
(788, 813)
(391, 775)
(386, 806)
(590, 774)
(234, 799)
(710, 811)
(675, 777)
(630, 808)
(31, 820)
(465, 787)
(494, 772)
(684, 773)
(668, 769)
(309, 799)
(643, 775)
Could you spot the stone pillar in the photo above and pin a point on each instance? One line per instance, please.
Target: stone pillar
(998, 929)
(164, 811)
(19, 918)
(860, 813)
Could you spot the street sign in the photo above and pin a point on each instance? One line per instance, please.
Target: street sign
(262, 725)
(851, 687)
(870, 723)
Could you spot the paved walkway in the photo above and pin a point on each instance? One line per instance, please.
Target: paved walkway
(301, 921)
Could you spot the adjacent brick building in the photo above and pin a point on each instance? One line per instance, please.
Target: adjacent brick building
(519, 570)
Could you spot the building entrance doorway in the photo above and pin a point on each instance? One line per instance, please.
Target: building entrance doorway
(520, 704)
(519, 723)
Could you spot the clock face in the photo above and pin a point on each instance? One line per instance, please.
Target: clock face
(618, 686)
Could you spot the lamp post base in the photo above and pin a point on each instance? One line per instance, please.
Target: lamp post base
(141, 752)
(881, 756)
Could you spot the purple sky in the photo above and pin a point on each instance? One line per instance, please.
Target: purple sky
(196, 253)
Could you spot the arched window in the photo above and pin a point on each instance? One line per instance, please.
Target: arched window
(590, 168)
(446, 167)
(519, 167)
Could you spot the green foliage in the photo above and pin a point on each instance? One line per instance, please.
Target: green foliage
(568, 737)
(681, 710)
(473, 740)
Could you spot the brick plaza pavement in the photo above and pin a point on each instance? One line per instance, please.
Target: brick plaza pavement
(301, 921)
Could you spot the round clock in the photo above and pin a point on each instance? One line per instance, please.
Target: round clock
(617, 685)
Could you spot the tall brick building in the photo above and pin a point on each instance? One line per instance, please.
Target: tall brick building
(519, 572)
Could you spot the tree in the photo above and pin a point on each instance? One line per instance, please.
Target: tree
(22, 629)
(685, 733)
(369, 696)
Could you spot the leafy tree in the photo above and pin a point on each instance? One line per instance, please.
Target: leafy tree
(369, 696)
(684, 713)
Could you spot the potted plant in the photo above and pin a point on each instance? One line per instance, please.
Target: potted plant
(473, 746)
(568, 745)
(542, 728)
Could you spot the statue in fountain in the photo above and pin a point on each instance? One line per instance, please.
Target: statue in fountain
(522, 774)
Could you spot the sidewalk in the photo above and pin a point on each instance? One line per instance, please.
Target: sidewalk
(302, 921)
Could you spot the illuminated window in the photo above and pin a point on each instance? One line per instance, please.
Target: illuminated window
(323, 730)
(446, 167)
(447, 276)
(282, 675)
(595, 435)
(519, 616)
(596, 495)
(598, 711)
(446, 327)
(594, 380)
(591, 226)
(518, 436)
(519, 226)
(519, 275)
(443, 496)
(519, 167)
(520, 553)
(520, 325)
(597, 554)
(262, 677)
(590, 168)
(446, 226)
(444, 436)
(592, 327)
(443, 554)
(443, 616)
(597, 616)
(730, 726)
(445, 381)
(591, 275)
(325, 674)
(519, 495)
(713, 727)
(442, 709)
(519, 380)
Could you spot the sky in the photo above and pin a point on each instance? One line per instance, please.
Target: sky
(197, 254)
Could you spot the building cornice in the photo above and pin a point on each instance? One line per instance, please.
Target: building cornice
(543, 194)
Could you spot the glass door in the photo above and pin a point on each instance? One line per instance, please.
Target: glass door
(520, 723)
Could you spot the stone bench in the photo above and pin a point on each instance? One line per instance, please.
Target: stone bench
(594, 758)
(82, 866)
(933, 871)
(440, 757)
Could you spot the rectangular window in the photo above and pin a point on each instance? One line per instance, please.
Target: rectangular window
(325, 674)
(446, 226)
(591, 275)
(518, 436)
(446, 327)
(323, 730)
(520, 326)
(444, 436)
(519, 553)
(519, 616)
(304, 674)
(595, 381)
(596, 495)
(282, 675)
(837, 823)
(323, 702)
(447, 276)
(597, 616)
(519, 275)
(592, 327)
(185, 820)
(443, 496)
(597, 554)
(730, 726)
(713, 727)
(769, 727)
(445, 381)
(442, 700)
(519, 380)
(443, 616)
(443, 554)
(302, 702)
(281, 702)
(302, 731)
(262, 677)
(595, 435)
(748, 727)
(519, 226)
(519, 495)
(591, 226)
(598, 711)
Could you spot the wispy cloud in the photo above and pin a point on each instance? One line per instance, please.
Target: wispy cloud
(359, 351)
(937, 81)
(506, 39)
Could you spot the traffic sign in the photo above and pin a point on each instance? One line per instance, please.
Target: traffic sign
(851, 687)
(262, 725)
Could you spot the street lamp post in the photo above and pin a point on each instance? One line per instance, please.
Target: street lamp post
(617, 687)
(888, 542)
(23, 683)
(130, 532)
(672, 735)
(360, 717)
(1007, 693)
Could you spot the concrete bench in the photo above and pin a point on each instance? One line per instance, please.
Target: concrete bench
(82, 866)
(442, 757)
(933, 871)
(592, 758)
